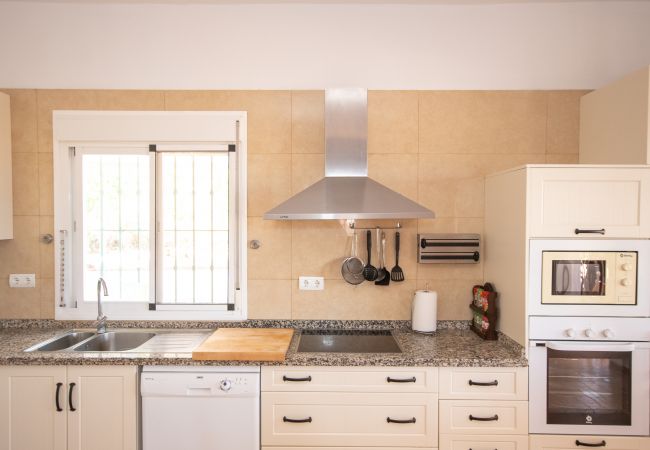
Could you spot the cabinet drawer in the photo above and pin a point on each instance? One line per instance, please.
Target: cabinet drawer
(550, 442)
(483, 442)
(351, 448)
(349, 419)
(498, 383)
(499, 417)
(614, 199)
(349, 379)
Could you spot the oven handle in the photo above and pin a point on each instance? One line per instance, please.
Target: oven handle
(600, 347)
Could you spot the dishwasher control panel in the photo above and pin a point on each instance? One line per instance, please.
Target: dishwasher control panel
(199, 384)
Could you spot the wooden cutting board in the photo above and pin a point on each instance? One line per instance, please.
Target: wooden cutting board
(245, 344)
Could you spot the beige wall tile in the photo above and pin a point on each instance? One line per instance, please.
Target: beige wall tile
(47, 300)
(269, 299)
(21, 254)
(563, 124)
(45, 184)
(462, 137)
(269, 114)
(453, 296)
(308, 121)
(482, 122)
(318, 248)
(23, 303)
(25, 184)
(23, 119)
(269, 182)
(398, 172)
(393, 122)
(272, 261)
(46, 251)
(57, 99)
(562, 158)
(306, 169)
(340, 300)
(125, 100)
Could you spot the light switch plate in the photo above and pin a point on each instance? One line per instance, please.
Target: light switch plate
(22, 280)
(311, 283)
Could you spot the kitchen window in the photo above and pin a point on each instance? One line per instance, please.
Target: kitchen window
(161, 219)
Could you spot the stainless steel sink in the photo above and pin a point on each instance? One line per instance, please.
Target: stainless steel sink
(62, 342)
(348, 341)
(115, 341)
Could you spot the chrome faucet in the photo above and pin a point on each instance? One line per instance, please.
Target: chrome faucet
(101, 318)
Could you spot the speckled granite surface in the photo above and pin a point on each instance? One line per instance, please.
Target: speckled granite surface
(452, 345)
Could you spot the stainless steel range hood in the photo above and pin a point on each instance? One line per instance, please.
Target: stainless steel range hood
(347, 192)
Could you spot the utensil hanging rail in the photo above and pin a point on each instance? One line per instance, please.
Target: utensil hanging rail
(353, 226)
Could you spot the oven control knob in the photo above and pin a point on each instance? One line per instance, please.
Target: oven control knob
(589, 332)
(608, 333)
(570, 332)
(225, 385)
(627, 267)
(625, 281)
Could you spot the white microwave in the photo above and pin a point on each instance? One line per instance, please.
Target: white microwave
(589, 277)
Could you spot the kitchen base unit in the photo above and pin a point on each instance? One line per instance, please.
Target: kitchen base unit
(200, 408)
(556, 442)
(482, 442)
(349, 407)
(68, 408)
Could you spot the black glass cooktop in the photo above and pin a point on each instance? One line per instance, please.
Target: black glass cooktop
(348, 341)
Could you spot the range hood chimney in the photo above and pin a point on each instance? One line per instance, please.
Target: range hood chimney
(347, 192)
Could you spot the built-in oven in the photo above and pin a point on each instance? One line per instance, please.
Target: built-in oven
(589, 277)
(589, 376)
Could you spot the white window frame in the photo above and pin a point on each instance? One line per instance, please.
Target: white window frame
(171, 131)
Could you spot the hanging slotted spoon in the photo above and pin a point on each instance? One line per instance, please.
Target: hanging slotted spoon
(369, 272)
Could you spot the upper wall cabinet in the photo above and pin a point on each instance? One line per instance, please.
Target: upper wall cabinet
(6, 195)
(615, 122)
(589, 202)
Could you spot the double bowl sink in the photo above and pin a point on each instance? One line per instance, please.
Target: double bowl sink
(123, 340)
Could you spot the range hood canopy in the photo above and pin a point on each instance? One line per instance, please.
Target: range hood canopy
(347, 192)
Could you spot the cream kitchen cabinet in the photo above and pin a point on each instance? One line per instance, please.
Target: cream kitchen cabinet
(550, 442)
(483, 408)
(349, 407)
(6, 196)
(29, 416)
(589, 202)
(68, 408)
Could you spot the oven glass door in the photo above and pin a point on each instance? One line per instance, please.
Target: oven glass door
(589, 387)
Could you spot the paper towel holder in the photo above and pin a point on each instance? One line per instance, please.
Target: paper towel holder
(449, 248)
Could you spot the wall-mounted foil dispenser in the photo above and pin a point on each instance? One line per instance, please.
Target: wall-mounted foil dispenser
(449, 248)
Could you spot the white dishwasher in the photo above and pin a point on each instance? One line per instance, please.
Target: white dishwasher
(200, 408)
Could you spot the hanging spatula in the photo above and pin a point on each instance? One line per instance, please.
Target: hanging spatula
(396, 273)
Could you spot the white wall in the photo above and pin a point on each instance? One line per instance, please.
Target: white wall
(299, 46)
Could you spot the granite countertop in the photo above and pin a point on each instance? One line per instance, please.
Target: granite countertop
(454, 344)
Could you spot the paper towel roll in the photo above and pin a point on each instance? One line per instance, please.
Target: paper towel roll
(424, 311)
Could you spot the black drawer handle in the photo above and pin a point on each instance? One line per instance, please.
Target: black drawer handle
(484, 419)
(286, 419)
(584, 231)
(286, 378)
(56, 397)
(72, 408)
(400, 380)
(586, 444)
(480, 383)
(389, 420)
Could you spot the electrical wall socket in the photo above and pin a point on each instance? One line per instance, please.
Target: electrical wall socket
(22, 280)
(311, 283)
